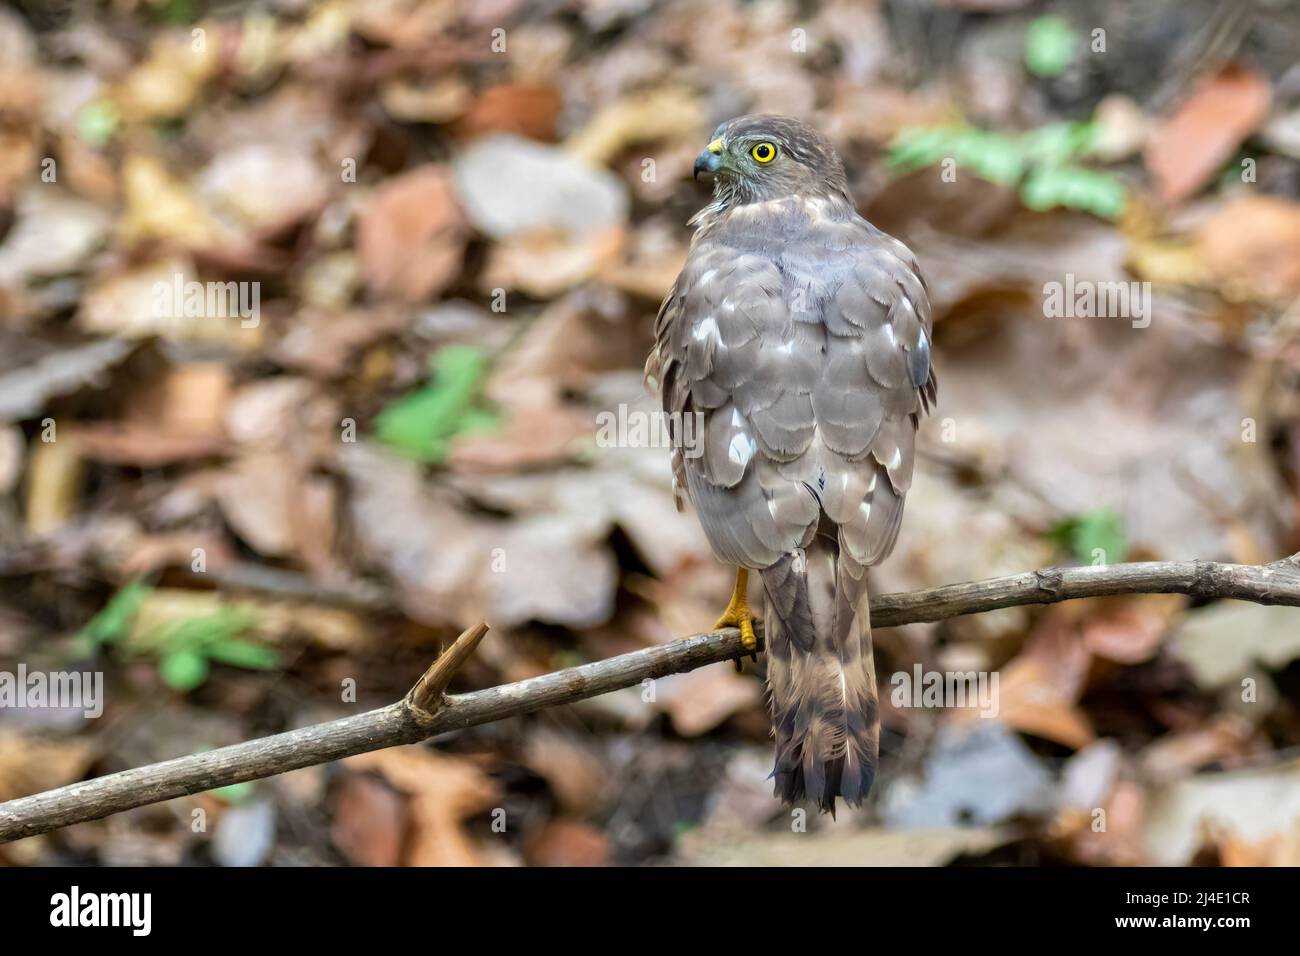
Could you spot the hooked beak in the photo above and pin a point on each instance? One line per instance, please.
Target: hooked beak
(710, 159)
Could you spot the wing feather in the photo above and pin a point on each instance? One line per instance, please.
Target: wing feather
(810, 361)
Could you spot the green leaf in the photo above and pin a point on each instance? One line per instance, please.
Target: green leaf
(203, 632)
(919, 146)
(479, 421)
(183, 670)
(114, 621)
(1074, 187)
(97, 122)
(1049, 46)
(422, 423)
(1038, 160)
(992, 156)
(1058, 143)
(179, 11)
(215, 637)
(238, 652)
(1096, 537)
(235, 792)
(1100, 535)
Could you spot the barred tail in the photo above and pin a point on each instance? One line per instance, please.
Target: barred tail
(821, 677)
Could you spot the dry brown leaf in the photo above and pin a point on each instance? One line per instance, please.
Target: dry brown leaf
(532, 435)
(661, 113)
(154, 552)
(12, 449)
(552, 568)
(1122, 128)
(443, 791)
(1115, 839)
(161, 206)
(143, 446)
(371, 821)
(392, 509)
(190, 400)
(54, 476)
(1251, 249)
(567, 843)
(1258, 804)
(1039, 690)
(32, 373)
(54, 233)
(700, 700)
(571, 767)
(21, 95)
(1234, 851)
(335, 628)
(647, 275)
(1131, 632)
(1179, 754)
(1283, 850)
(89, 172)
(258, 495)
(178, 418)
(331, 282)
(1167, 261)
(139, 302)
(1223, 642)
(326, 344)
(571, 341)
(545, 263)
(510, 186)
(279, 510)
(1079, 433)
(324, 31)
(261, 189)
(31, 765)
(412, 235)
(402, 23)
(523, 108)
(314, 527)
(265, 412)
(1189, 147)
(168, 82)
(441, 101)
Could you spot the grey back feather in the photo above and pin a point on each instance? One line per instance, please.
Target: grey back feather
(802, 335)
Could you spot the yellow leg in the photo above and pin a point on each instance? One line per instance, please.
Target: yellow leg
(738, 612)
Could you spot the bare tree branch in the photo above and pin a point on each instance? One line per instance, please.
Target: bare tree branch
(427, 711)
(1276, 583)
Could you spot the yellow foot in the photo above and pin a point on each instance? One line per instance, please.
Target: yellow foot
(739, 614)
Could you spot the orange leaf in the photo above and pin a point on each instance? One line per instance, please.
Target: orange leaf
(1188, 147)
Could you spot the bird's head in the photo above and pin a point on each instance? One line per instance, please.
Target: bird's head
(760, 157)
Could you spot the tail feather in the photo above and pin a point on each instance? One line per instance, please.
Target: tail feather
(821, 676)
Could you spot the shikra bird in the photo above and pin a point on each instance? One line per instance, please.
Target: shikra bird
(798, 337)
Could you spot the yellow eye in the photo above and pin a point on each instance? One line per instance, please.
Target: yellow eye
(763, 152)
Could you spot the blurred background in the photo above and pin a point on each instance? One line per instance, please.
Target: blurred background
(309, 313)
